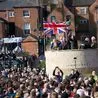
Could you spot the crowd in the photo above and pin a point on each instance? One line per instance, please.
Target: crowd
(88, 43)
(62, 43)
(34, 83)
(9, 59)
(72, 43)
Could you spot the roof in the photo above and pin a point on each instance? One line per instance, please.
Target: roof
(30, 39)
(3, 20)
(9, 4)
(83, 2)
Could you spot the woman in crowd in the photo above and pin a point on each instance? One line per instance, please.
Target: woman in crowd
(27, 83)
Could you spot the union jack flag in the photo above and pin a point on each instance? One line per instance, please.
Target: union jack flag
(54, 28)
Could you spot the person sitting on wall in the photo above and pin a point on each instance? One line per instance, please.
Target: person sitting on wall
(59, 74)
(53, 44)
(59, 45)
(62, 41)
(93, 42)
(87, 43)
(71, 42)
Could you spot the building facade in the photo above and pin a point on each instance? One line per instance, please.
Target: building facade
(83, 15)
(30, 45)
(85, 12)
(21, 17)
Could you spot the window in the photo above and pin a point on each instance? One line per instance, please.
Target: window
(26, 28)
(68, 17)
(11, 14)
(83, 10)
(83, 21)
(54, 1)
(53, 19)
(26, 13)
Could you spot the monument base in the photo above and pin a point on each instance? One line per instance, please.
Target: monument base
(83, 60)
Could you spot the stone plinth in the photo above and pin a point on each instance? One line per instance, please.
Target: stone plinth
(87, 60)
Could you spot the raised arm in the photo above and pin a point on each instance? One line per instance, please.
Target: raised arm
(54, 71)
(61, 71)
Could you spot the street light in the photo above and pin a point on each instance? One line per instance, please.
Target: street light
(75, 58)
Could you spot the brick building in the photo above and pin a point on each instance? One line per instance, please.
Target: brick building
(83, 15)
(62, 11)
(30, 45)
(20, 17)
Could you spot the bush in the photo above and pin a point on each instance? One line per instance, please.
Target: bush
(42, 64)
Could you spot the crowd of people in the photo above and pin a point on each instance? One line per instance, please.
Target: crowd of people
(62, 43)
(7, 60)
(72, 43)
(35, 83)
(89, 43)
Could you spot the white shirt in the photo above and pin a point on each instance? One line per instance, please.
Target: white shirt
(80, 92)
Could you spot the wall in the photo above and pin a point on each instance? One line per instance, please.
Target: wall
(1, 30)
(82, 27)
(86, 60)
(11, 19)
(70, 11)
(20, 20)
(92, 11)
(60, 13)
(3, 14)
(31, 47)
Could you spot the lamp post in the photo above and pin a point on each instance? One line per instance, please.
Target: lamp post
(75, 58)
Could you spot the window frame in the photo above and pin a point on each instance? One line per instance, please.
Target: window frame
(11, 14)
(24, 14)
(24, 29)
(53, 18)
(83, 10)
(83, 21)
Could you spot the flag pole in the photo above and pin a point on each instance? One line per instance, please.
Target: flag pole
(41, 25)
(44, 43)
